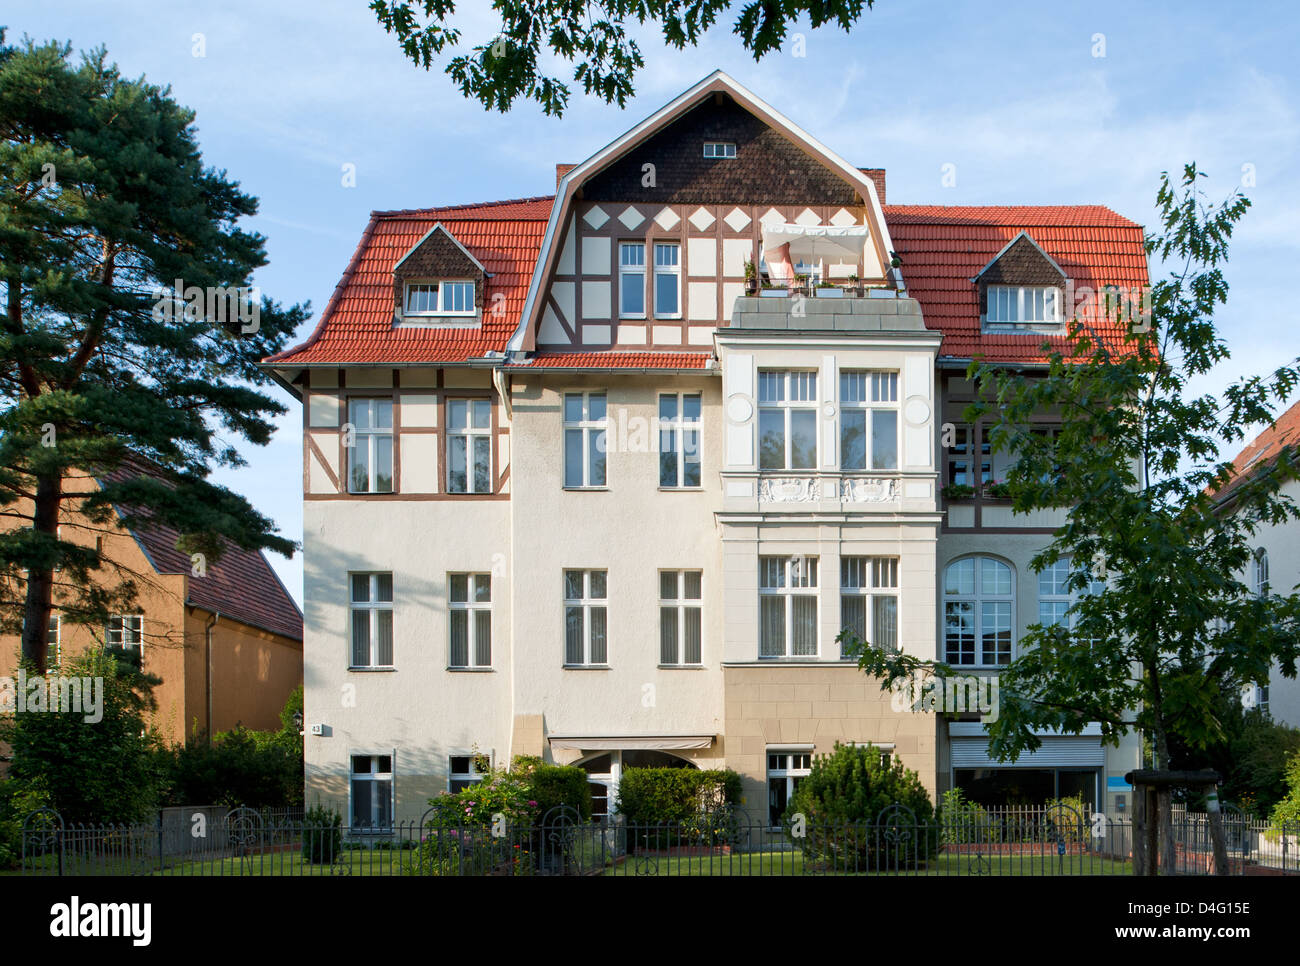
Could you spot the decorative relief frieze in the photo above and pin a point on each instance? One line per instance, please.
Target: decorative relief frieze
(788, 489)
(859, 489)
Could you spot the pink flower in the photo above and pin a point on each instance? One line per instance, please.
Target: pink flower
(533, 804)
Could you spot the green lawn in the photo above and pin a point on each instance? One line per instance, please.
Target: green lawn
(383, 862)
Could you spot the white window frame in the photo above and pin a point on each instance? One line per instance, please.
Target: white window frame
(674, 270)
(476, 760)
(472, 606)
(788, 578)
(594, 433)
(366, 439)
(1259, 573)
(1053, 592)
(869, 579)
(789, 382)
(54, 641)
(445, 288)
(678, 425)
(794, 763)
(719, 149)
(627, 272)
(370, 609)
(471, 434)
(677, 609)
(869, 391)
(1004, 297)
(587, 604)
(127, 636)
(978, 598)
(375, 777)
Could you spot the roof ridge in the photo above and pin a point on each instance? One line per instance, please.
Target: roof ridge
(474, 205)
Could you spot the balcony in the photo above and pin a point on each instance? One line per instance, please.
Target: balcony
(849, 314)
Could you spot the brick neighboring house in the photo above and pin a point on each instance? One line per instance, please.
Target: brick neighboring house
(227, 645)
(575, 486)
(1277, 557)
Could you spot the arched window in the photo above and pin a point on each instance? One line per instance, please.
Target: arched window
(978, 604)
(1261, 572)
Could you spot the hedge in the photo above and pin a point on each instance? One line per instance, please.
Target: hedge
(649, 796)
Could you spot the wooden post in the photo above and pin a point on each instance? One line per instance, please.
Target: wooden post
(1168, 857)
(1140, 820)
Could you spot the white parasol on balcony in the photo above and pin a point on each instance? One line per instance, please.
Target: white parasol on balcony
(815, 241)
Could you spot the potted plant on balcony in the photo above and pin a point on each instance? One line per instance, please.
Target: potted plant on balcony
(829, 290)
(997, 490)
(751, 278)
(958, 491)
(852, 286)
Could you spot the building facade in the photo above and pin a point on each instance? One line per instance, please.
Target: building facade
(602, 476)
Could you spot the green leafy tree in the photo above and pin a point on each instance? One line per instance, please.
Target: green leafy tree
(1135, 465)
(592, 35)
(130, 329)
(106, 770)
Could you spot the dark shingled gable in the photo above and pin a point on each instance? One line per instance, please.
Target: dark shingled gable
(768, 169)
(241, 585)
(1023, 263)
(435, 258)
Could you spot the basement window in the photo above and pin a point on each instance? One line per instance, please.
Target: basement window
(719, 149)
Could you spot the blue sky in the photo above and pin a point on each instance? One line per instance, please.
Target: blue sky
(1011, 93)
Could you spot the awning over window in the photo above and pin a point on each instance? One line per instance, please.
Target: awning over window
(811, 242)
(625, 742)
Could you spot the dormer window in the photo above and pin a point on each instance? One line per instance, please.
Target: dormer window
(1015, 304)
(719, 149)
(440, 298)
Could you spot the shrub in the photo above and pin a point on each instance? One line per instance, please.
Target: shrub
(96, 771)
(842, 801)
(962, 821)
(17, 801)
(322, 835)
(240, 767)
(555, 785)
(649, 796)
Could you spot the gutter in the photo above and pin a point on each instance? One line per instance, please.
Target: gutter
(207, 639)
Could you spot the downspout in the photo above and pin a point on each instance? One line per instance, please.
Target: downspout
(207, 639)
(499, 381)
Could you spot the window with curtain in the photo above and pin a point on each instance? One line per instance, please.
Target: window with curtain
(372, 620)
(680, 615)
(369, 441)
(869, 600)
(372, 792)
(470, 610)
(469, 446)
(585, 643)
(787, 605)
(679, 439)
(979, 604)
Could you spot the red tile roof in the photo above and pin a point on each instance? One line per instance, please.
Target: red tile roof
(240, 585)
(943, 248)
(616, 359)
(1264, 448)
(357, 324)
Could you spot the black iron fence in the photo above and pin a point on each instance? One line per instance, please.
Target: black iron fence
(1053, 840)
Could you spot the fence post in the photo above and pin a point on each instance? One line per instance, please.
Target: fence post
(160, 840)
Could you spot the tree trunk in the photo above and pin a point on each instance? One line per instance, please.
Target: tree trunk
(40, 583)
